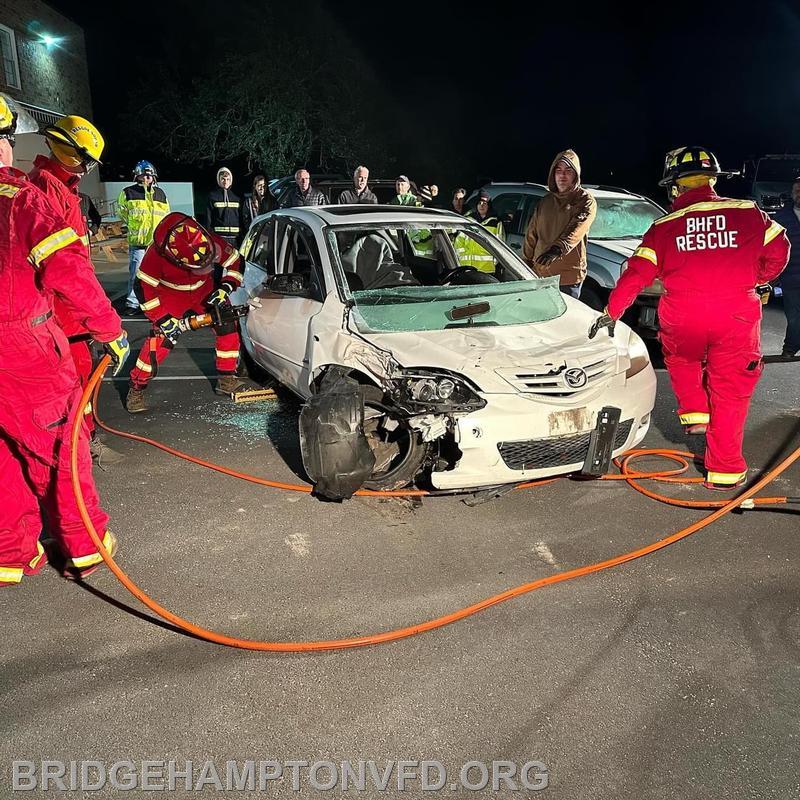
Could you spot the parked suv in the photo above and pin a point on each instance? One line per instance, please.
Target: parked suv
(622, 218)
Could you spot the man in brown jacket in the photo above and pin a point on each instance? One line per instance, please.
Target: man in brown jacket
(555, 242)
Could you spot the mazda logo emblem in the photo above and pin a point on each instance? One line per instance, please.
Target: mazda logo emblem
(575, 378)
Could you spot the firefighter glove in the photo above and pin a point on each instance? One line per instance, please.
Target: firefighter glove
(549, 256)
(219, 296)
(119, 350)
(170, 329)
(605, 320)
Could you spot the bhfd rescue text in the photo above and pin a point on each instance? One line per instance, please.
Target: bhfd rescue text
(706, 233)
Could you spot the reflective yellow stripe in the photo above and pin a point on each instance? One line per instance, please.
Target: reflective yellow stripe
(231, 259)
(726, 478)
(82, 562)
(10, 574)
(237, 275)
(151, 304)
(7, 190)
(188, 287)
(648, 253)
(85, 239)
(221, 229)
(145, 278)
(34, 562)
(54, 242)
(227, 353)
(695, 418)
(142, 366)
(773, 231)
(707, 206)
(223, 204)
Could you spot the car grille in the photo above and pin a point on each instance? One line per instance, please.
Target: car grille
(557, 451)
(552, 383)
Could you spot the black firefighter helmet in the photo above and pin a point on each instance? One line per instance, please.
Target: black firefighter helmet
(692, 160)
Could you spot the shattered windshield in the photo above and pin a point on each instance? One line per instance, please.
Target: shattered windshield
(406, 277)
(623, 218)
(436, 308)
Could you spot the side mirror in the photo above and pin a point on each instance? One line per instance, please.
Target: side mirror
(295, 284)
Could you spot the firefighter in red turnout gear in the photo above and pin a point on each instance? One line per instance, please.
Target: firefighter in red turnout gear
(177, 279)
(710, 253)
(41, 258)
(75, 149)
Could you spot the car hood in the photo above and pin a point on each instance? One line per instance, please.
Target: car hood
(481, 352)
(608, 248)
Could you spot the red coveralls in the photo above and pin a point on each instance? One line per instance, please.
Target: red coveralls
(710, 253)
(170, 290)
(61, 188)
(41, 257)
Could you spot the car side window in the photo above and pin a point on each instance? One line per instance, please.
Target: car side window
(262, 253)
(506, 208)
(301, 254)
(524, 215)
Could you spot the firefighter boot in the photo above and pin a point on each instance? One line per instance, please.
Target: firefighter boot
(228, 384)
(134, 402)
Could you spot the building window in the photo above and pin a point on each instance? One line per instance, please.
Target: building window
(8, 54)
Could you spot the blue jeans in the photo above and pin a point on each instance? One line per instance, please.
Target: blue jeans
(136, 254)
(572, 289)
(791, 307)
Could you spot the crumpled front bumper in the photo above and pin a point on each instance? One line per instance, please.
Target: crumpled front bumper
(517, 437)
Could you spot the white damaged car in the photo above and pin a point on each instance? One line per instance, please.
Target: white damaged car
(417, 369)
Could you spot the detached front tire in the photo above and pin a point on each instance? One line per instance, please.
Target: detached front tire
(398, 449)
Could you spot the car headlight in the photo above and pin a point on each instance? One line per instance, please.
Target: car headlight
(418, 390)
(637, 352)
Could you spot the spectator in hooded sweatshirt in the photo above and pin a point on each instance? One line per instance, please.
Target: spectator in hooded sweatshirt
(360, 193)
(459, 195)
(224, 209)
(556, 239)
(304, 194)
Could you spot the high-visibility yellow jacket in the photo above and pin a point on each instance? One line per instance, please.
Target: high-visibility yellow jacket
(141, 210)
(470, 253)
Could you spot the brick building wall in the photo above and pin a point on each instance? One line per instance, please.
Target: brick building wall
(56, 77)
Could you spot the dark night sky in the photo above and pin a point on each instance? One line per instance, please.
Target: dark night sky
(500, 87)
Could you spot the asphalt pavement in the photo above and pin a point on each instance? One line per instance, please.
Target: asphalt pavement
(674, 676)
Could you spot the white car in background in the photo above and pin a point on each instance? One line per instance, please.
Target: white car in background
(416, 369)
(622, 218)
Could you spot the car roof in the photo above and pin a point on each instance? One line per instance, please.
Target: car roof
(368, 214)
(598, 190)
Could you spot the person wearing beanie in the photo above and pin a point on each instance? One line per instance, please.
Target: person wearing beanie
(557, 235)
(404, 197)
(224, 209)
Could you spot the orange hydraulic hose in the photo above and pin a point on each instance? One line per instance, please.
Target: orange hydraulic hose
(400, 633)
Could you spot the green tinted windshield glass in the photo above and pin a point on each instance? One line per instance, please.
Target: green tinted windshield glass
(619, 218)
(435, 308)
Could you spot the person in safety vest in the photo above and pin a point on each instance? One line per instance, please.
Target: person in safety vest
(141, 207)
(710, 253)
(224, 209)
(41, 257)
(177, 279)
(469, 251)
(75, 149)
